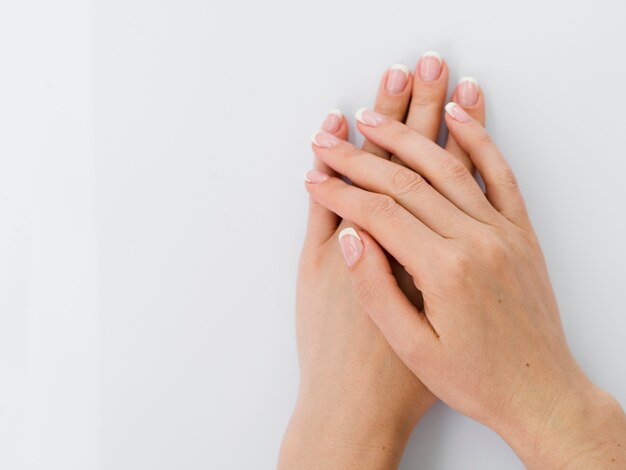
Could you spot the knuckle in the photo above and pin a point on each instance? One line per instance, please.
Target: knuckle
(454, 169)
(352, 152)
(507, 178)
(379, 206)
(432, 151)
(484, 139)
(391, 108)
(402, 132)
(459, 266)
(405, 181)
(495, 248)
(431, 101)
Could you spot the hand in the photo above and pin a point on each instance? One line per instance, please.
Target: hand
(357, 402)
(489, 340)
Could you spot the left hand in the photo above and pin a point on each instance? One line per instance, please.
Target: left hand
(358, 403)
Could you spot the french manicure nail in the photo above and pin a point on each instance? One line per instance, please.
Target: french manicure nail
(324, 139)
(467, 91)
(397, 78)
(369, 118)
(332, 123)
(430, 66)
(351, 245)
(315, 176)
(457, 113)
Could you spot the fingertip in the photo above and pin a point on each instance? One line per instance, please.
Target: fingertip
(344, 131)
(316, 176)
(431, 69)
(351, 246)
(335, 123)
(395, 81)
(470, 96)
(455, 114)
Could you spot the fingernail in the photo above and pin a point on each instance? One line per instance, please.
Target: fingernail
(369, 118)
(315, 176)
(351, 245)
(332, 123)
(467, 91)
(397, 78)
(457, 113)
(324, 139)
(430, 66)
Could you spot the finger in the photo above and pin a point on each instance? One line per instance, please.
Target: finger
(407, 331)
(444, 172)
(469, 95)
(430, 84)
(322, 223)
(392, 100)
(501, 185)
(408, 188)
(407, 239)
(336, 124)
(429, 94)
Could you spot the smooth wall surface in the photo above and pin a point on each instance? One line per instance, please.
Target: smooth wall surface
(152, 208)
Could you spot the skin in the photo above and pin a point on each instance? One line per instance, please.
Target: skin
(488, 340)
(357, 402)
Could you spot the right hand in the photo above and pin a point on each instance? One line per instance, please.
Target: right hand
(489, 340)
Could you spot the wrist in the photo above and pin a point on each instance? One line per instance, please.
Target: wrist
(581, 427)
(345, 430)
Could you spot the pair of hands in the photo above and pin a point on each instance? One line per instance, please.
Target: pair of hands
(482, 333)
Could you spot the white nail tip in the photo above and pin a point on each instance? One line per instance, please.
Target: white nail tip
(401, 67)
(469, 79)
(336, 112)
(349, 231)
(434, 54)
(306, 179)
(313, 138)
(450, 107)
(359, 115)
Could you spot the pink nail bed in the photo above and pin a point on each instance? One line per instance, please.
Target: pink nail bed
(457, 113)
(324, 139)
(467, 92)
(369, 118)
(430, 66)
(397, 78)
(332, 123)
(351, 245)
(315, 176)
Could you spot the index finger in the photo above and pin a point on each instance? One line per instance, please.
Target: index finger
(404, 236)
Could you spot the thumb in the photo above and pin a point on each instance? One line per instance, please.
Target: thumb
(407, 330)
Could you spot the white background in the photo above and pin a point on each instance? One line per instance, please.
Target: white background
(152, 208)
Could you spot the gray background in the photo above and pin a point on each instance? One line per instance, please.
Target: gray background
(152, 209)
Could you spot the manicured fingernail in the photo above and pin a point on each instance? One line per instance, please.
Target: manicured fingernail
(397, 78)
(457, 113)
(430, 66)
(332, 123)
(369, 118)
(315, 176)
(351, 245)
(467, 91)
(324, 139)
